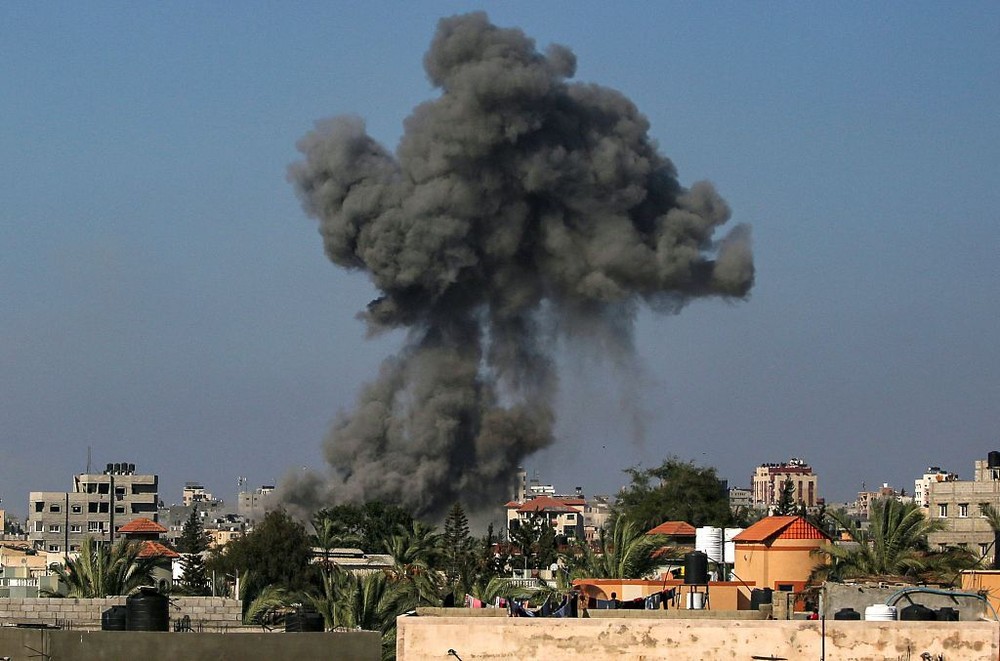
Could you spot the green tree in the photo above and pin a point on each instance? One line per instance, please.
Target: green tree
(624, 552)
(277, 552)
(413, 549)
(894, 545)
(102, 570)
(192, 545)
(457, 550)
(786, 499)
(992, 516)
(535, 538)
(675, 491)
(368, 525)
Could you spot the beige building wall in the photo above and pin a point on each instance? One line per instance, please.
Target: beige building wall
(471, 638)
(957, 504)
(784, 561)
(768, 479)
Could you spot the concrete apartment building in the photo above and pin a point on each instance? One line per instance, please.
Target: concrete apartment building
(956, 502)
(922, 485)
(98, 505)
(768, 479)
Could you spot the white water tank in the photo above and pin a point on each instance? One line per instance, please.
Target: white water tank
(708, 540)
(880, 613)
(696, 601)
(729, 546)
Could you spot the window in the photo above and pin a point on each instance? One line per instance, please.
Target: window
(963, 510)
(95, 526)
(39, 526)
(40, 506)
(983, 550)
(76, 527)
(92, 508)
(54, 507)
(53, 548)
(943, 510)
(76, 509)
(119, 509)
(74, 547)
(55, 527)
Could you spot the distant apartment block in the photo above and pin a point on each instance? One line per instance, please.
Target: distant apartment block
(740, 498)
(922, 485)
(98, 505)
(565, 514)
(194, 493)
(768, 480)
(863, 503)
(957, 503)
(252, 505)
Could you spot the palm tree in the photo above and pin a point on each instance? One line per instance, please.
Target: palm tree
(629, 553)
(412, 549)
(372, 602)
(894, 544)
(101, 570)
(992, 516)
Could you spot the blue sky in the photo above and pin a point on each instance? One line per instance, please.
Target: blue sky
(167, 302)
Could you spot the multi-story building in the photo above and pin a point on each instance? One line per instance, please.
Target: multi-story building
(863, 504)
(98, 505)
(740, 498)
(252, 505)
(957, 503)
(768, 479)
(922, 485)
(196, 494)
(564, 514)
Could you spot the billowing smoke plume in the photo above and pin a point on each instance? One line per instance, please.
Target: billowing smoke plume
(519, 207)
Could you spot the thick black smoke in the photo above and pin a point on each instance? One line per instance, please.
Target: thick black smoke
(518, 207)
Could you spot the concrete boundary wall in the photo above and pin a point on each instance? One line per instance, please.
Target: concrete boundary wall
(210, 613)
(692, 640)
(18, 643)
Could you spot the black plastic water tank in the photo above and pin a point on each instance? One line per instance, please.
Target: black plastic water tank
(947, 614)
(148, 610)
(917, 612)
(113, 619)
(847, 614)
(304, 620)
(993, 459)
(696, 568)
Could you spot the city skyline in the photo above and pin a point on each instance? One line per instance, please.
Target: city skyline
(169, 304)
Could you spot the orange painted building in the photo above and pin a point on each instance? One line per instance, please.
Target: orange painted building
(777, 552)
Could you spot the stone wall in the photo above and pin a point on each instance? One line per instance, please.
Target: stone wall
(206, 613)
(692, 640)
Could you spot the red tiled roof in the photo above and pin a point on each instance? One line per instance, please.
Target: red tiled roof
(142, 525)
(151, 549)
(512, 504)
(546, 504)
(674, 528)
(787, 527)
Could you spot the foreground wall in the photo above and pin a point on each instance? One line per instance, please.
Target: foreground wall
(692, 640)
(210, 613)
(18, 643)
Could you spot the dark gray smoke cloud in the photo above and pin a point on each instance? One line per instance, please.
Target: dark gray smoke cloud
(519, 207)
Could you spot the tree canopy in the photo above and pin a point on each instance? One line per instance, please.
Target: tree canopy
(674, 491)
(894, 544)
(276, 552)
(367, 525)
(102, 570)
(192, 544)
